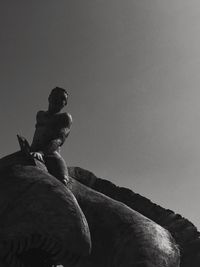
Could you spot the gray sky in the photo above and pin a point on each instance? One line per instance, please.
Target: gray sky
(132, 69)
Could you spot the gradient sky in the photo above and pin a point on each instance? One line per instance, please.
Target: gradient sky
(132, 69)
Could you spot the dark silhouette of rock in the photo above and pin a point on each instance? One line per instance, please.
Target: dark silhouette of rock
(183, 231)
(41, 221)
(121, 236)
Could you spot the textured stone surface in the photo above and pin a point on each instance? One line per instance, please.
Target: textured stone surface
(38, 213)
(183, 231)
(121, 236)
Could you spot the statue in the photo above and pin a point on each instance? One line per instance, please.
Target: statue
(89, 222)
(52, 128)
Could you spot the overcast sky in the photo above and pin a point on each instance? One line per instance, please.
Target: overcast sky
(132, 69)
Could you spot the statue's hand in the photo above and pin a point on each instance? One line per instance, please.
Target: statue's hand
(37, 155)
(65, 181)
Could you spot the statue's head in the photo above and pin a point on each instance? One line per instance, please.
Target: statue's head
(57, 99)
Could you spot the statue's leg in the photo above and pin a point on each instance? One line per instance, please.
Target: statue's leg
(57, 167)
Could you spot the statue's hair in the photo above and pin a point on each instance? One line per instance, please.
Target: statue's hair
(58, 90)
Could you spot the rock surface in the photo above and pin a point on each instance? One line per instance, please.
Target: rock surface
(184, 232)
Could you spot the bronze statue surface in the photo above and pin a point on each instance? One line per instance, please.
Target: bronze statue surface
(89, 222)
(52, 128)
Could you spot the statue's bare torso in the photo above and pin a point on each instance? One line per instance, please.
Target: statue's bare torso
(52, 128)
(49, 128)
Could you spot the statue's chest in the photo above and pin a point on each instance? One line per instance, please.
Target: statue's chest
(47, 127)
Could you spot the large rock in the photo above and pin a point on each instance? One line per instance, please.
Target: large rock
(184, 232)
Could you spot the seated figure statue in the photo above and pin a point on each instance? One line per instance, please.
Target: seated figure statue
(52, 128)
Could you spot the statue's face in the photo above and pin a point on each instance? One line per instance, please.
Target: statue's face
(57, 101)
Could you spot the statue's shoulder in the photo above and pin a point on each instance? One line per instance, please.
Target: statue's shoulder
(69, 117)
(40, 114)
(65, 119)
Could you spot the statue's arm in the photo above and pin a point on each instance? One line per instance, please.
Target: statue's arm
(61, 136)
